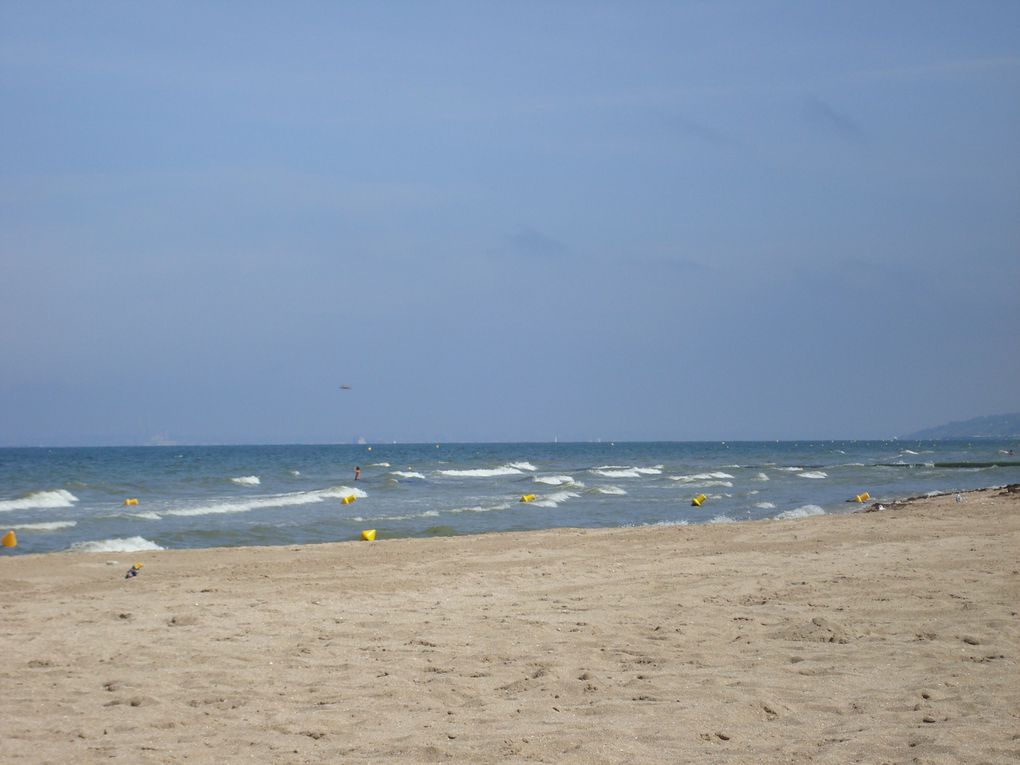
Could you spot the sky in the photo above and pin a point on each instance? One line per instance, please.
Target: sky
(506, 221)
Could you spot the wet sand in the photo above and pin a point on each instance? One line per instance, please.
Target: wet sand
(883, 637)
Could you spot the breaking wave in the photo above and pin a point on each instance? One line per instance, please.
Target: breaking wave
(408, 474)
(804, 511)
(555, 499)
(718, 475)
(53, 526)
(39, 500)
(247, 480)
(813, 474)
(130, 544)
(555, 480)
(483, 472)
(279, 500)
(620, 471)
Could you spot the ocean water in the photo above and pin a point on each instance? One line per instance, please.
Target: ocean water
(211, 496)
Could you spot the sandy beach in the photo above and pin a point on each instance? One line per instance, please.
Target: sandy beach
(879, 637)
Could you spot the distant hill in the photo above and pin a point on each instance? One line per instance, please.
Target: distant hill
(993, 426)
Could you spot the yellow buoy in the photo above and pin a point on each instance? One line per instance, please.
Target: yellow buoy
(863, 497)
(349, 499)
(130, 501)
(698, 500)
(9, 539)
(368, 535)
(527, 497)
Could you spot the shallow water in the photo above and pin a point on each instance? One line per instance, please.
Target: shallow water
(208, 496)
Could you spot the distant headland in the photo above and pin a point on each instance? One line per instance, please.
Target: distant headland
(992, 426)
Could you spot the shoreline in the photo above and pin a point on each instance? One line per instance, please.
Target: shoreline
(838, 511)
(871, 636)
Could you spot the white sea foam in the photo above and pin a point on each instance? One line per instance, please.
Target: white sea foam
(146, 516)
(616, 472)
(39, 500)
(480, 508)
(804, 511)
(761, 477)
(613, 490)
(277, 500)
(718, 475)
(482, 472)
(408, 474)
(555, 499)
(908, 451)
(554, 480)
(625, 471)
(722, 519)
(130, 544)
(295, 472)
(765, 505)
(813, 474)
(791, 469)
(380, 464)
(523, 466)
(52, 526)
(247, 480)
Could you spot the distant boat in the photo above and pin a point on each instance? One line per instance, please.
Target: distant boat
(345, 387)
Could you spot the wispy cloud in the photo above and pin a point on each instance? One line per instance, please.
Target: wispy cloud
(531, 242)
(687, 127)
(826, 118)
(937, 69)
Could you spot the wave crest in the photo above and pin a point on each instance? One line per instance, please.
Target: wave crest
(804, 511)
(279, 500)
(482, 472)
(129, 544)
(39, 500)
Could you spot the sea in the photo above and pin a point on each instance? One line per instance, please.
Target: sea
(57, 499)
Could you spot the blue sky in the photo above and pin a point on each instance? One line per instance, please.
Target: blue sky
(506, 221)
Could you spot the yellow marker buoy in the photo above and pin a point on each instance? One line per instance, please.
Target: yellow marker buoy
(527, 497)
(863, 497)
(349, 499)
(698, 500)
(368, 535)
(10, 539)
(130, 501)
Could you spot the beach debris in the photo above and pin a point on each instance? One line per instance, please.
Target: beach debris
(696, 502)
(348, 499)
(134, 571)
(862, 497)
(959, 498)
(527, 498)
(368, 535)
(130, 501)
(10, 539)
